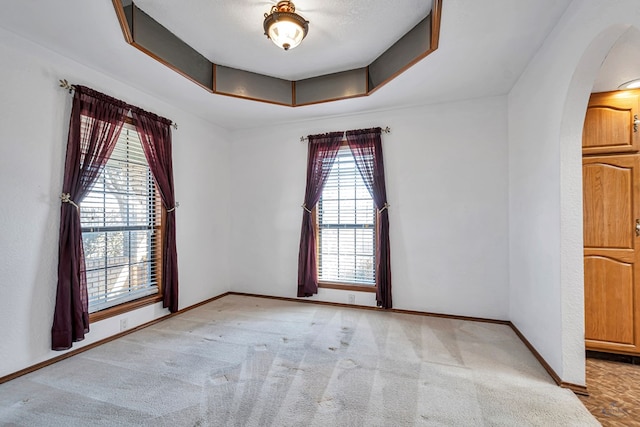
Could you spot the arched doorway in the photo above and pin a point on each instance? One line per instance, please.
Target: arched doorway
(572, 275)
(612, 288)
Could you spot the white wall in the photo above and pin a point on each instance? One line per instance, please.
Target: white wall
(486, 216)
(446, 171)
(546, 112)
(34, 115)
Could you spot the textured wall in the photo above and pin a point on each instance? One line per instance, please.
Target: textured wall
(35, 115)
(446, 169)
(546, 112)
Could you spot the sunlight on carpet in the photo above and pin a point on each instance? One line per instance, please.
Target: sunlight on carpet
(245, 361)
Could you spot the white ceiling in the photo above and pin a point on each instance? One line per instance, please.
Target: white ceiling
(484, 47)
(343, 35)
(622, 63)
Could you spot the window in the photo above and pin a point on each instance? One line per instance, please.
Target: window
(120, 219)
(346, 226)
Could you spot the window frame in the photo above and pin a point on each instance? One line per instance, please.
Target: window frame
(157, 249)
(358, 287)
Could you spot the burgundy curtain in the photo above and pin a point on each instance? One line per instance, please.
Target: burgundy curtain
(88, 149)
(322, 153)
(155, 135)
(366, 146)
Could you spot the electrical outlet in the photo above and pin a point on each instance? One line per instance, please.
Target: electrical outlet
(352, 299)
(124, 324)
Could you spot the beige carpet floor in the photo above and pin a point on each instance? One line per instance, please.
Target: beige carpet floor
(244, 361)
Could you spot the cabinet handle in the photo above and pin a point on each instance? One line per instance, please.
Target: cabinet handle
(636, 122)
(637, 227)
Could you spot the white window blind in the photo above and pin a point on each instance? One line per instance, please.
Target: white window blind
(120, 219)
(346, 226)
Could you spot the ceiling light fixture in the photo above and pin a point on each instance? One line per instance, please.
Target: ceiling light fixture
(633, 84)
(284, 26)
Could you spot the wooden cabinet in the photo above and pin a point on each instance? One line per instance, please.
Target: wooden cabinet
(612, 123)
(611, 198)
(611, 203)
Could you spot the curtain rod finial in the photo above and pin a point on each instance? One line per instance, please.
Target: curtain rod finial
(175, 125)
(65, 84)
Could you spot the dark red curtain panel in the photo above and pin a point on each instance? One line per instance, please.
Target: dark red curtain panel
(366, 146)
(322, 153)
(88, 149)
(155, 135)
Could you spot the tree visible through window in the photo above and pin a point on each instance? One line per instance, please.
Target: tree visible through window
(120, 219)
(346, 226)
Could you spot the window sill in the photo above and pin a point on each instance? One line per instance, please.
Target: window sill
(348, 287)
(123, 308)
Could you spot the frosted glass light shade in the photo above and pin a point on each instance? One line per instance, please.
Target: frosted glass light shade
(286, 34)
(284, 27)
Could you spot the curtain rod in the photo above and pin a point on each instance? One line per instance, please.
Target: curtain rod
(65, 84)
(386, 129)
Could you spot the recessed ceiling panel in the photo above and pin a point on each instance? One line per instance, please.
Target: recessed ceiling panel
(412, 46)
(343, 35)
(346, 84)
(245, 84)
(153, 38)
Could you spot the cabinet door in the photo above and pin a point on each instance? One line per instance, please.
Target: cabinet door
(611, 197)
(612, 123)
